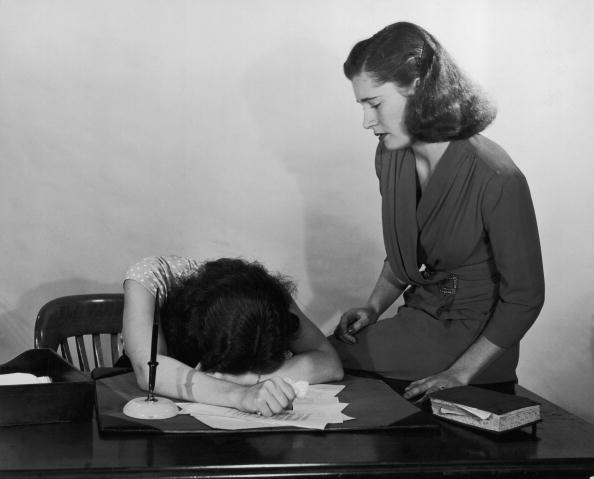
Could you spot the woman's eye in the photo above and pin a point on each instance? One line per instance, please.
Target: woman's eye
(375, 105)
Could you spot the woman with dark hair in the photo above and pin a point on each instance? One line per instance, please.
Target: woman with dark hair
(230, 333)
(459, 226)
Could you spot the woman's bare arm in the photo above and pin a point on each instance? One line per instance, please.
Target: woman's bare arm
(178, 380)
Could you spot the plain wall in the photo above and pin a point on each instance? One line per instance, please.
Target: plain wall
(210, 128)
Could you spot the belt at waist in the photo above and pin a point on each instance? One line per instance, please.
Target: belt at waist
(472, 272)
(465, 286)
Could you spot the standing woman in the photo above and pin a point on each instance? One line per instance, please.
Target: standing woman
(459, 226)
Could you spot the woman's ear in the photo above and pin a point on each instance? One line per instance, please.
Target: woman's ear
(410, 90)
(413, 86)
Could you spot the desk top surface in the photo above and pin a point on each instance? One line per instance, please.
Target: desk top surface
(563, 444)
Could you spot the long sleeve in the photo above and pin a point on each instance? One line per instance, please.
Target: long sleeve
(510, 222)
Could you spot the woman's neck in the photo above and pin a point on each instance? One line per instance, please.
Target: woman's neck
(427, 155)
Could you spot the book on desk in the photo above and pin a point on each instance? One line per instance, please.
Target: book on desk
(484, 409)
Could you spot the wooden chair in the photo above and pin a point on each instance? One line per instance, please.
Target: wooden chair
(90, 315)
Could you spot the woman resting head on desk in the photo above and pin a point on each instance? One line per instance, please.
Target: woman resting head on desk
(459, 226)
(229, 335)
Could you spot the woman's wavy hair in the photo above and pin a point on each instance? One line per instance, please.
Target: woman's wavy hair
(231, 316)
(445, 104)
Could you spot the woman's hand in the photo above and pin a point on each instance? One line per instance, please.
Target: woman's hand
(267, 397)
(353, 321)
(423, 387)
(460, 373)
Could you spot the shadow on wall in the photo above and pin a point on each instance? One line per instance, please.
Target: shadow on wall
(293, 96)
(16, 332)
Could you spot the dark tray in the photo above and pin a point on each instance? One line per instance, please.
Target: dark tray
(70, 397)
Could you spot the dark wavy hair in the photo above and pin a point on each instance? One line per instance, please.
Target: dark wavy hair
(231, 316)
(445, 105)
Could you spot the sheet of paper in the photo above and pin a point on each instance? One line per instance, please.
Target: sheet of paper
(300, 387)
(318, 408)
(332, 412)
(323, 390)
(22, 378)
(465, 411)
(208, 414)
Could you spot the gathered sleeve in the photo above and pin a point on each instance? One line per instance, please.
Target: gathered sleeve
(510, 223)
(161, 273)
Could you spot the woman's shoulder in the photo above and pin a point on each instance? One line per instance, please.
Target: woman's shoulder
(168, 263)
(497, 173)
(491, 157)
(161, 273)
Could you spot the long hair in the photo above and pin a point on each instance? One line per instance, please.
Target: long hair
(445, 104)
(231, 316)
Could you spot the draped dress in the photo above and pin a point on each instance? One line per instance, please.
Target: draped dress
(468, 247)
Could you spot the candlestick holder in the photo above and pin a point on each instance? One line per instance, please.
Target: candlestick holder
(151, 406)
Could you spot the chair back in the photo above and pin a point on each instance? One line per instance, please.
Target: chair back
(97, 317)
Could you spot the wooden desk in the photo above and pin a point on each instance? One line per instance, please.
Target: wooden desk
(563, 447)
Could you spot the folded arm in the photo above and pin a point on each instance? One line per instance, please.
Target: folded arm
(313, 360)
(177, 380)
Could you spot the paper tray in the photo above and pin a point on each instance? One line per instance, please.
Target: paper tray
(373, 403)
(70, 397)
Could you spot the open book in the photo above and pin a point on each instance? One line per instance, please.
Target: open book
(485, 409)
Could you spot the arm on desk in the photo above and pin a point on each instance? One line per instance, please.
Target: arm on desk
(178, 380)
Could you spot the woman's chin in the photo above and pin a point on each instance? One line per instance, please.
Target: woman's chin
(394, 143)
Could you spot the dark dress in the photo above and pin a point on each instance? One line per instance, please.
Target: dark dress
(469, 248)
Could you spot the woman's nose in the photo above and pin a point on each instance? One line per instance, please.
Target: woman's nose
(369, 119)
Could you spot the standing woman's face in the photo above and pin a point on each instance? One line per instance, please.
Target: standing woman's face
(383, 110)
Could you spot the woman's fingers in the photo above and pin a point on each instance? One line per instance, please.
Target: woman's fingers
(272, 397)
(264, 409)
(285, 391)
(350, 324)
(427, 386)
(280, 394)
(342, 330)
(416, 388)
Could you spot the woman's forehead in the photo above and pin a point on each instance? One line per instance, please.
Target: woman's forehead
(366, 88)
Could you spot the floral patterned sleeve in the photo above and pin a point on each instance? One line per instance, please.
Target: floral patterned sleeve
(160, 273)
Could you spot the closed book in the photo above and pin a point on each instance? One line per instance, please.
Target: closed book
(484, 409)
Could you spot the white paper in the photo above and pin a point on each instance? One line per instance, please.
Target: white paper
(318, 408)
(466, 411)
(324, 390)
(210, 415)
(300, 387)
(12, 379)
